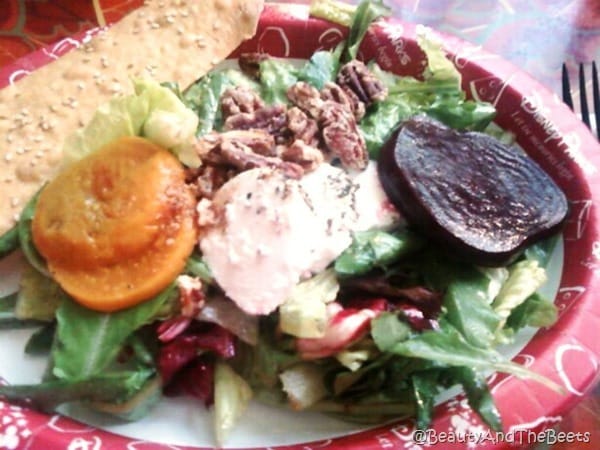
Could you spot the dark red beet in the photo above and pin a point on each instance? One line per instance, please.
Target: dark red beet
(481, 199)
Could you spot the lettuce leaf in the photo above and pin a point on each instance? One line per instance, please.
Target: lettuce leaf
(276, 76)
(152, 111)
(375, 248)
(366, 13)
(203, 97)
(87, 341)
(524, 279)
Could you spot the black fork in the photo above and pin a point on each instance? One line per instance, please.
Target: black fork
(583, 98)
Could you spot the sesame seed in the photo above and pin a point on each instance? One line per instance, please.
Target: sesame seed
(8, 157)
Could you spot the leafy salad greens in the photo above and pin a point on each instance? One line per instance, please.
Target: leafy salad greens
(434, 322)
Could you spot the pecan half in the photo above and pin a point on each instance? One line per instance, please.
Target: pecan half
(207, 179)
(341, 136)
(301, 153)
(271, 118)
(346, 98)
(302, 127)
(306, 97)
(356, 77)
(243, 158)
(240, 99)
(259, 141)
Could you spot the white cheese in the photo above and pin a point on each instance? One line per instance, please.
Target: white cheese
(271, 231)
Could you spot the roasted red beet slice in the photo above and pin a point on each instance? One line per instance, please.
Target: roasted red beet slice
(469, 192)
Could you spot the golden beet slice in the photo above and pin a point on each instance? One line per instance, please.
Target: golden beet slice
(131, 281)
(117, 227)
(107, 207)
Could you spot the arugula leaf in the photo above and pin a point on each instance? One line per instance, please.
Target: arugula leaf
(425, 388)
(478, 395)
(135, 406)
(375, 248)
(88, 341)
(365, 14)
(387, 330)
(448, 346)
(109, 386)
(468, 308)
(321, 68)
(26, 236)
(536, 311)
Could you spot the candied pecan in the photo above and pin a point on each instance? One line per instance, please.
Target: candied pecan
(302, 127)
(240, 99)
(260, 141)
(208, 147)
(250, 63)
(272, 119)
(209, 178)
(242, 157)
(355, 76)
(205, 144)
(341, 136)
(346, 98)
(306, 97)
(299, 152)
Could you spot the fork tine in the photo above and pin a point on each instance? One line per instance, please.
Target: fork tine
(585, 112)
(566, 87)
(596, 97)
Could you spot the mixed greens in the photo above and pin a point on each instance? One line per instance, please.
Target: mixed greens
(435, 322)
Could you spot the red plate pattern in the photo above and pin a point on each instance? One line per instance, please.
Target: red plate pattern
(568, 353)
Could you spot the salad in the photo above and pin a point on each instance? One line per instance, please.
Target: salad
(240, 245)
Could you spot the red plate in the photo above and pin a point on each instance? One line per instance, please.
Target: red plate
(568, 353)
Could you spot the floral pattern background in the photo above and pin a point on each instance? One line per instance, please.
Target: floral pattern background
(536, 35)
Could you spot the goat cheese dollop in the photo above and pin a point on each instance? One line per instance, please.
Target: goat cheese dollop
(269, 231)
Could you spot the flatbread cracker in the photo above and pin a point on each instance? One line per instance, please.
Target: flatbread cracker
(174, 40)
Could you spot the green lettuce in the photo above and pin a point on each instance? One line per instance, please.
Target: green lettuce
(87, 342)
(152, 111)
